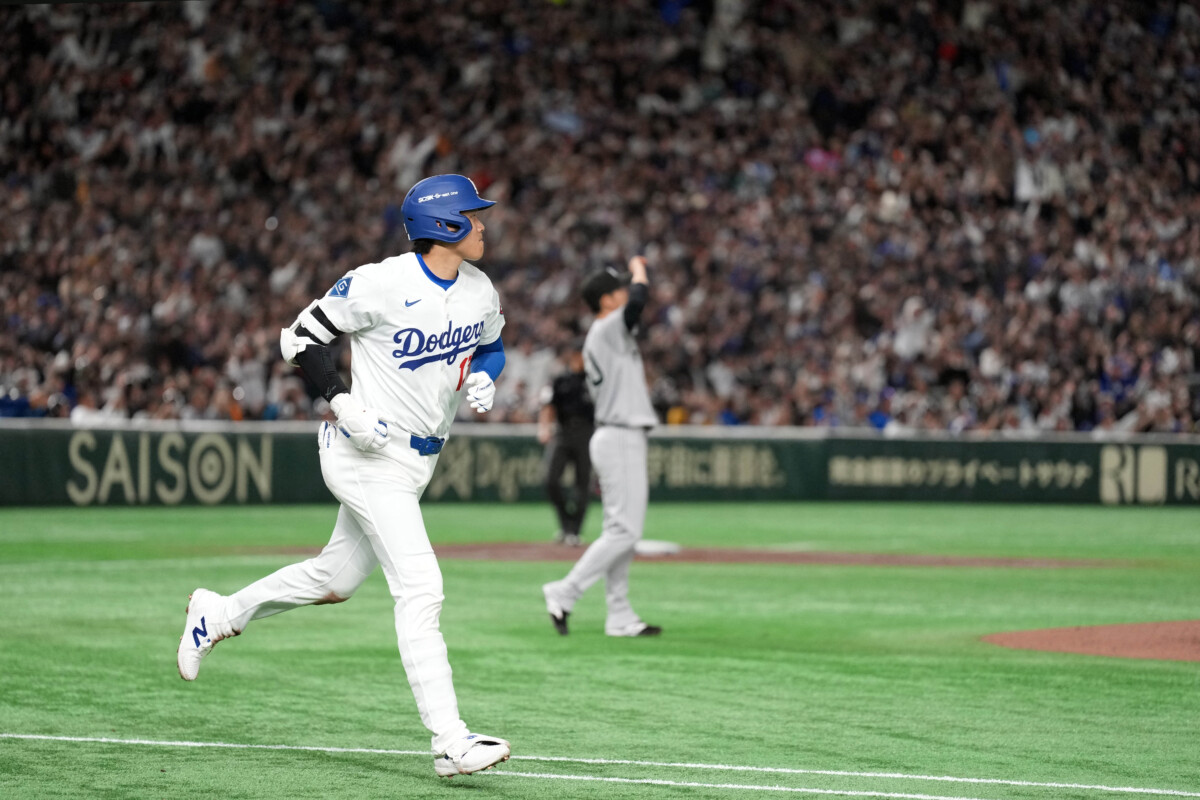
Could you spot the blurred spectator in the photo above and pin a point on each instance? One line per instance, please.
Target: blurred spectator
(961, 216)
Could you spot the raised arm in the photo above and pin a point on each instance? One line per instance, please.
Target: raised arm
(639, 292)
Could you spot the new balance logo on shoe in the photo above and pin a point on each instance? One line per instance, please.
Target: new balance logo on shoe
(197, 640)
(200, 630)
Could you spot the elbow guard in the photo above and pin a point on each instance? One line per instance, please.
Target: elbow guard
(318, 366)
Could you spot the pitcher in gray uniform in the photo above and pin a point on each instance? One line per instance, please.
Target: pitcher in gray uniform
(624, 417)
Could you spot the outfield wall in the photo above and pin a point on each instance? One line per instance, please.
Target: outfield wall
(49, 463)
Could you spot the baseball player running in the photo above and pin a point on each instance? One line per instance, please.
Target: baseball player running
(624, 417)
(423, 327)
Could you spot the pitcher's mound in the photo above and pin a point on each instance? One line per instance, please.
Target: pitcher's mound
(1170, 641)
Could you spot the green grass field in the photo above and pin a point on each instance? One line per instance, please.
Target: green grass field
(771, 680)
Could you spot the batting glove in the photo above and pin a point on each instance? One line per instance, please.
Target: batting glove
(362, 426)
(481, 391)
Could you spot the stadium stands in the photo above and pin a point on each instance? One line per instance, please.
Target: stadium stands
(899, 214)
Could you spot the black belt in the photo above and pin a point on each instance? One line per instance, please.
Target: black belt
(626, 427)
(426, 446)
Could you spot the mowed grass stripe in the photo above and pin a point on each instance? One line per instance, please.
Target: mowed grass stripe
(964, 529)
(639, 763)
(733, 786)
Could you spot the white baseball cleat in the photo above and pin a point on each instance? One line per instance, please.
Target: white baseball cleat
(634, 629)
(201, 632)
(472, 753)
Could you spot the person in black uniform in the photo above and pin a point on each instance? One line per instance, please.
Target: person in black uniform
(565, 425)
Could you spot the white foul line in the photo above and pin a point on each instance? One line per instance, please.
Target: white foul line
(845, 774)
(694, 785)
(230, 745)
(627, 762)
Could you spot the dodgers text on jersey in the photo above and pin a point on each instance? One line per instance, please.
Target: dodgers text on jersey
(431, 347)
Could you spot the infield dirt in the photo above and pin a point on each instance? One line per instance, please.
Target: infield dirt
(1168, 641)
(536, 551)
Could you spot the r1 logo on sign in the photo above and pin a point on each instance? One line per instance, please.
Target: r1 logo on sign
(1187, 479)
(1131, 474)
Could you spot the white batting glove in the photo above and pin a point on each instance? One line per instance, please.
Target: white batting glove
(481, 391)
(362, 426)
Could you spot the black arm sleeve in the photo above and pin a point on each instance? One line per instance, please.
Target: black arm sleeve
(317, 362)
(639, 293)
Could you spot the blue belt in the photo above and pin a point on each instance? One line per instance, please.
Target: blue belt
(426, 446)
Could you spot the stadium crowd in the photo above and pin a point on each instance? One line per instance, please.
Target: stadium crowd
(900, 214)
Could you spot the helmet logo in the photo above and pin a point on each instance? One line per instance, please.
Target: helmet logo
(434, 208)
(436, 196)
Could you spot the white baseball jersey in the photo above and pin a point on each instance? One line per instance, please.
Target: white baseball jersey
(412, 337)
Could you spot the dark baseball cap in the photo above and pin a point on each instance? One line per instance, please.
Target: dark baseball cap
(601, 282)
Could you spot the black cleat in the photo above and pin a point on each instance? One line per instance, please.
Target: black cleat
(638, 628)
(558, 614)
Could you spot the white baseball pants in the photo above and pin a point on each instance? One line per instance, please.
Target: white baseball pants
(379, 522)
(619, 458)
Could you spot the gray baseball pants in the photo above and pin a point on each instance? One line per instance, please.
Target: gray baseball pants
(619, 458)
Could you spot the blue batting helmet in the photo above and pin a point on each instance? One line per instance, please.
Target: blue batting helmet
(433, 208)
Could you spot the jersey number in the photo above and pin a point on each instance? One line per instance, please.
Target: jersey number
(462, 372)
(594, 373)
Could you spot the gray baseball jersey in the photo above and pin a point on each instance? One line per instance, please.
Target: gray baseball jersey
(616, 377)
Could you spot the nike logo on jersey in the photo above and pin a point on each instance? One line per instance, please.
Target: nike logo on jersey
(409, 303)
(430, 347)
